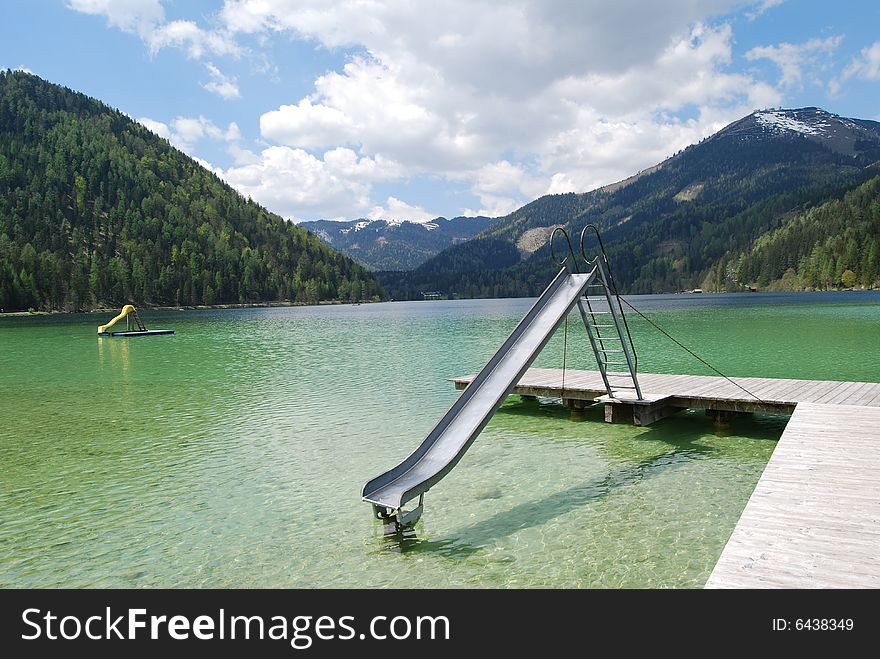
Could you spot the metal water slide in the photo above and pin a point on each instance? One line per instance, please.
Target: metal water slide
(456, 431)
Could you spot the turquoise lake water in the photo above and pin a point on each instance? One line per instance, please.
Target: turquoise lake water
(232, 454)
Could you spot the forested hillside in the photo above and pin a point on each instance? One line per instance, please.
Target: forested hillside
(829, 246)
(95, 210)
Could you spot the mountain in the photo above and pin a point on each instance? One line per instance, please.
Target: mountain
(391, 245)
(95, 210)
(672, 226)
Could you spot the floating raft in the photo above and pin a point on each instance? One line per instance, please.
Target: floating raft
(138, 333)
(136, 326)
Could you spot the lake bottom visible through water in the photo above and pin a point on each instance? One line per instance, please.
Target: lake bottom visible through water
(233, 453)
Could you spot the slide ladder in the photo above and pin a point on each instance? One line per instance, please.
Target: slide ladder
(450, 439)
(135, 324)
(605, 322)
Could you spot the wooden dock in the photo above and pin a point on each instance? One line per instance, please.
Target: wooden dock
(774, 395)
(813, 520)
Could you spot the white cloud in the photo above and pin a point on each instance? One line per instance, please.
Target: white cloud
(299, 185)
(539, 36)
(137, 16)
(793, 58)
(220, 84)
(186, 132)
(503, 176)
(146, 19)
(368, 104)
(502, 186)
(493, 206)
(396, 209)
(306, 125)
(867, 65)
(346, 162)
(242, 156)
(190, 38)
(761, 7)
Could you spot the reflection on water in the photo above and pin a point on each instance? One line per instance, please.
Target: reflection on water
(113, 356)
(233, 453)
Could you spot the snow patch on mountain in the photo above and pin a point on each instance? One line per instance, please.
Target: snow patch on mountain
(779, 121)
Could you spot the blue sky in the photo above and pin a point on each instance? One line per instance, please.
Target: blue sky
(409, 110)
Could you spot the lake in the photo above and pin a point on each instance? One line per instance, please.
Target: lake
(232, 453)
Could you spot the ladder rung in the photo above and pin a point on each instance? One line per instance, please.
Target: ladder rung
(609, 338)
(598, 326)
(621, 387)
(598, 312)
(614, 363)
(607, 351)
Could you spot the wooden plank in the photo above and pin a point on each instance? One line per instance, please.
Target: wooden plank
(836, 392)
(808, 392)
(704, 389)
(858, 393)
(828, 389)
(783, 391)
(814, 517)
(796, 388)
(763, 387)
(868, 392)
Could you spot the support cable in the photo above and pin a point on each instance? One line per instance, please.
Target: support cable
(689, 351)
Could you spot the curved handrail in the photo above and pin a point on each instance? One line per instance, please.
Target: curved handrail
(561, 263)
(598, 237)
(613, 284)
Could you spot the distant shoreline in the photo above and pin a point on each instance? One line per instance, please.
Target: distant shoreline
(187, 307)
(323, 303)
